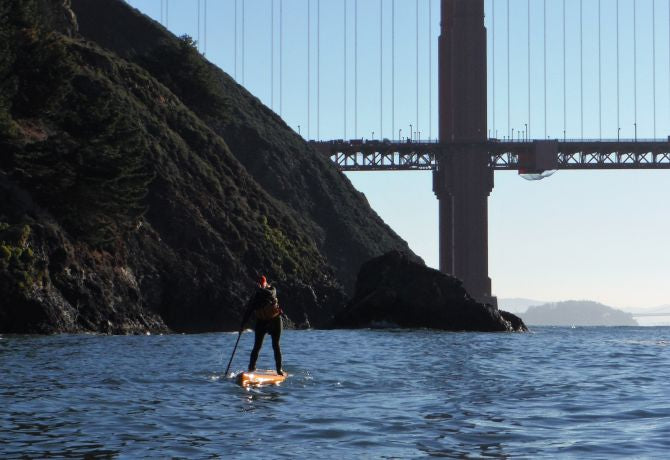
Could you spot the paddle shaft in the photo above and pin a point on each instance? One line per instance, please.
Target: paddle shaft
(233, 354)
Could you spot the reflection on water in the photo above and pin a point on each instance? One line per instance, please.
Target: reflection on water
(583, 392)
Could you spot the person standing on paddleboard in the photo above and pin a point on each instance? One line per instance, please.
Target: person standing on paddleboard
(265, 307)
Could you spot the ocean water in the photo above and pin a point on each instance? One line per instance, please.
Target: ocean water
(555, 392)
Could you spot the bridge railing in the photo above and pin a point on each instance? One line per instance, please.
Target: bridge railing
(405, 141)
(585, 140)
(518, 156)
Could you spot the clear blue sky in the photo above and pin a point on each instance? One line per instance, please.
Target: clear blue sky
(577, 235)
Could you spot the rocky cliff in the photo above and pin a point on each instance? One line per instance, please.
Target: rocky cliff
(142, 189)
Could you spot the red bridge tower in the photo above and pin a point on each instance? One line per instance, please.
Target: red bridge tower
(463, 181)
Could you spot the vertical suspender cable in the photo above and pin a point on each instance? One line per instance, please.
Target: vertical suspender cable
(318, 69)
(205, 53)
(243, 47)
(309, 68)
(528, 128)
(162, 8)
(565, 100)
(509, 98)
(581, 65)
(281, 56)
(272, 54)
(235, 39)
(430, 69)
(393, 67)
(600, 78)
(167, 13)
(635, 62)
(618, 79)
(381, 69)
(653, 52)
(198, 28)
(417, 68)
(493, 69)
(355, 69)
(345, 69)
(545, 68)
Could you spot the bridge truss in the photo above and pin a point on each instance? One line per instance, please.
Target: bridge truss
(522, 156)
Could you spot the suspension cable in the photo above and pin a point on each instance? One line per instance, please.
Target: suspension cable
(205, 50)
(618, 76)
(393, 68)
(345, 69)
(355, 69)
(600, 78)
(162, 9)
(509, 98)
(243, 47)
(318, 69)
(198, 28)
(167, 13)
(235, 40)
(381, 69)
(493, 69)
(528, 127)
(281, 56)
(417, 68)
(430, 69)
(272, 55)
(635, 64)
(653, 52)
(545, 67)
(309, 68)
(581, 65)
(565, 100)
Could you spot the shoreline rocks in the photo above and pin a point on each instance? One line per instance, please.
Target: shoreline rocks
(394, 290)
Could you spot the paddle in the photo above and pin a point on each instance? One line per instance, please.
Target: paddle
(234, 349)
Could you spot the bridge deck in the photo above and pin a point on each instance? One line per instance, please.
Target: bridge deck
(357, 155)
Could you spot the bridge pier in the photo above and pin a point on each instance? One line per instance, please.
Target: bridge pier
(463, 181)
(462, 184)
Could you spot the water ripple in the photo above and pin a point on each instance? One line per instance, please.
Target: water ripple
(584, 392)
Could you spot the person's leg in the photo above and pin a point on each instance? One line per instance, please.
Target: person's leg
(260, 331)
(275, 333)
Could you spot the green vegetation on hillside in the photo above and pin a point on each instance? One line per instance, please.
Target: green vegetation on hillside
(17, 259)
(155, 188)
(88, 167)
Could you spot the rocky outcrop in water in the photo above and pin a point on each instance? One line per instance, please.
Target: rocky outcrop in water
(394, 291)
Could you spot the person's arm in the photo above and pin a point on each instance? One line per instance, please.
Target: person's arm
(274, 296)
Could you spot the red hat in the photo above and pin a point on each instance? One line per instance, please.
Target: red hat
(263, 282)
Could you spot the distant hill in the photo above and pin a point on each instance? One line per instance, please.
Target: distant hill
(577, 313)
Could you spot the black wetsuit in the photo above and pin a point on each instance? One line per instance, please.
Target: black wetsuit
(271, 326)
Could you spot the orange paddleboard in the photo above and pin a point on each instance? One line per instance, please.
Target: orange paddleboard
(260, 377)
